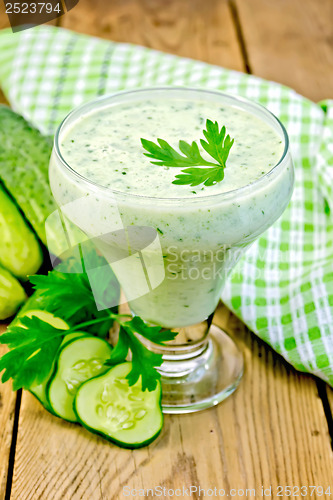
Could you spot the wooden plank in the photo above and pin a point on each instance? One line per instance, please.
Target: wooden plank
(3, 99)
(187, 28)
(284, 415)
(7, 414)
(4, 21)
(290, 41)
(272, 431)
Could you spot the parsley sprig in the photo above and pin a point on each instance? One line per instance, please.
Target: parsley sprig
(217, 145)
(34, 343)
(144, 361)
(33, 346)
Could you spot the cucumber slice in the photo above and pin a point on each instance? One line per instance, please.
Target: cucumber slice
(40, 391)
(72, 336)
(108, 406)
(78, 361)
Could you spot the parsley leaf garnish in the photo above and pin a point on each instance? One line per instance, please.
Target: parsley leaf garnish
(196, 176)
(67, 291)
(59, 287)
(155, 334)
(217, 145)
(169, 157)
(34, 343)
(144, 361)
(33, 347)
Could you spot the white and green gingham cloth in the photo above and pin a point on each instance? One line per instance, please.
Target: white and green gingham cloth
(283, 287)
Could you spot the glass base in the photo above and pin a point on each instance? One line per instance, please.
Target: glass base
(194, 382)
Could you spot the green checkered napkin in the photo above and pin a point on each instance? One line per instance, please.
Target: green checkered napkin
(283, 287)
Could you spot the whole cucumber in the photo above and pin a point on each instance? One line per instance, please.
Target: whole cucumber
(24, 162)
(12, 294)
(20, 252)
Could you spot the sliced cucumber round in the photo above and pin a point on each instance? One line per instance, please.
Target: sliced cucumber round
(78, 361)
(107, 405)
(40, 391)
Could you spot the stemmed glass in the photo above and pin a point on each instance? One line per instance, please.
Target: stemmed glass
(173, 281)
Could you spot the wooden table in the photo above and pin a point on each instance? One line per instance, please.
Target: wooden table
(275, 430)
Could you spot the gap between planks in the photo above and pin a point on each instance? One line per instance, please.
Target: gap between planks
(185, 28)
(291, 42)
(7, 424)
(272, 431)
(326, 394)
(248, 17)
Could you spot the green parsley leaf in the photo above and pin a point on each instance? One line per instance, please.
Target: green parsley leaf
(155, 334)
(33, 347)
(120, 351)
(144, 362)
(34, 343)
(67, 291)
(217, 145)
(169, 157)
(196, 176)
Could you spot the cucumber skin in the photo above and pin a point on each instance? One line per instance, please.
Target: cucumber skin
(36, 301)
(115, 441)
(11, 293)
(55, 369)
(20, 252)
(121, 444)
(24, 161)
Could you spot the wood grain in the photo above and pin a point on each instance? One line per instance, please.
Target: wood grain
(4, 21)
(3, 99)
(272, 431)
(186, 28)
(291, 42)
(287, 420)
(7, 413)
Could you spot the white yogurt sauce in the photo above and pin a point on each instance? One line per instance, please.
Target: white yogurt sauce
(105, 147)
(201, 238)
